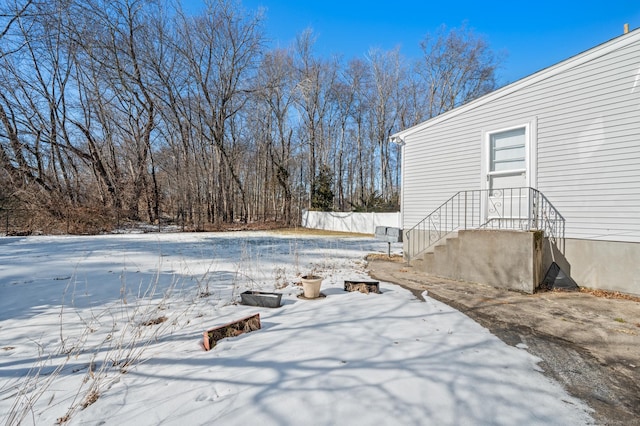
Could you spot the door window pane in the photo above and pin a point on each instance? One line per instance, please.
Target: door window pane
(507, 150)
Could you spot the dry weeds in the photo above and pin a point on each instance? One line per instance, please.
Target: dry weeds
(155, 321)
(396, 258)
(321, 232)
(609, 294)
(122, 348)
(90, 399)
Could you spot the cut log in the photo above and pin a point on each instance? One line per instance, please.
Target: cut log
(235, 328)
(363, 286)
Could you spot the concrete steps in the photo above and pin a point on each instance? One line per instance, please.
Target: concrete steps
(505, 259)
(435, 254)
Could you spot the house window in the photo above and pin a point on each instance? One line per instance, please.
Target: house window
(507, 150)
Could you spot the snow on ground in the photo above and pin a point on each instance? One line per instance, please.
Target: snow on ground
(108, 330)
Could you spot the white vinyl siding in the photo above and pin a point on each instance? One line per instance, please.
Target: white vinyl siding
(588, 145)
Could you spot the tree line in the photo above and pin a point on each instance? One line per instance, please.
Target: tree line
(116, 110)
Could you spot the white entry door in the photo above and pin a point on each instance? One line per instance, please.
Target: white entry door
(507, 179)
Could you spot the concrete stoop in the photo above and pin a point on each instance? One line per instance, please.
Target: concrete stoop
(505, 259)
(428, 261)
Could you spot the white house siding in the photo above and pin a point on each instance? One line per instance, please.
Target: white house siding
(589, 148)
(588, 144)
(433, 174)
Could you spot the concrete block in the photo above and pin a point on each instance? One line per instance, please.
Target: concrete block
(427, 263)
(500, 258)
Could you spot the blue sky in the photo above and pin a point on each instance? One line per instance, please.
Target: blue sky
(533, 34)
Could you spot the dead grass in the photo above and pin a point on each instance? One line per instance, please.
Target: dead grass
(625, 331)
(155, 321)
(396, 258)
(320, 232)
(238, 226)
(64, 419)
(90, 399)
(609, 294)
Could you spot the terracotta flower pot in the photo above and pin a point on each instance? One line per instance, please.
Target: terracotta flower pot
(311, 286)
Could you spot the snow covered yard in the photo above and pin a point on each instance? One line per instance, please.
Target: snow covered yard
(107, 330)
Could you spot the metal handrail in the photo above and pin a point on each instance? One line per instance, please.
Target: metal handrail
(521, 208)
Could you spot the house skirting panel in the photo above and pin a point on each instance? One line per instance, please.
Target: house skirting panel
(604, 265)
(518, 261)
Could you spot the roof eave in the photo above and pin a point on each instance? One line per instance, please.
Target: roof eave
(543, 74)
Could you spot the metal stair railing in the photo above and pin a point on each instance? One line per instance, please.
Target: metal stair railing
(522, 209)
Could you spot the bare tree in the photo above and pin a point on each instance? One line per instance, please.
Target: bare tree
(385, 97)
(115, 92)
(278, 93)
(181, 169)
(134, 108)
(223, 48)
(361, 165)
(11, 157)
(32, 105)
(457, 66)
(316, 78)
(10, 13)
